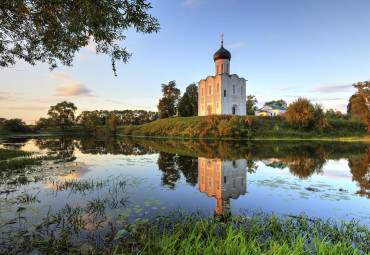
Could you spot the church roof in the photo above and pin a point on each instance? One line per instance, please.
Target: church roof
(222, 53)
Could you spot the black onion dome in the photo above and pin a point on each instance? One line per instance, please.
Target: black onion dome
(222, 53)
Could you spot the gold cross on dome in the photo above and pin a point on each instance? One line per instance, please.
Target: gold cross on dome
(222, 38)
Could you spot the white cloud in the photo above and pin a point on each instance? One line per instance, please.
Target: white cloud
(237, 45)
(60, 76)
(72, 89)
(333, 88)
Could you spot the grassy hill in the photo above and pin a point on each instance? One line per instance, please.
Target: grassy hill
(243, 127)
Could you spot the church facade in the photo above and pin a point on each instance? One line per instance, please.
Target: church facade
(222, 93)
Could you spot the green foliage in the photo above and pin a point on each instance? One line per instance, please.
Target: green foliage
(8, 154)
(250, 104)
(90, 122)
(239, 127)
(331, 114)
(63, 114)
(43, 123)
(280, 102)
(14, 125)
(302, 114)
(167, 104)
(54, 31)
(112, 123)
(181, 232)
(188, 103)
(127, 117)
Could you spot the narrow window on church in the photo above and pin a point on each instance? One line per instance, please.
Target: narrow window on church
(224, 93)
(222, 68)
(234, 89)
(209, 90)
(234, 183)
(218, 88)
(224, 179)
(227, 68)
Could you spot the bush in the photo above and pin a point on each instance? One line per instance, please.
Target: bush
(302, 114)
(15, 125)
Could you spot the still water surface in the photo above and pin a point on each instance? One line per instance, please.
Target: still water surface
(135, 178)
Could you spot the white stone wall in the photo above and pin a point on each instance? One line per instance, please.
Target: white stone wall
(235, 88)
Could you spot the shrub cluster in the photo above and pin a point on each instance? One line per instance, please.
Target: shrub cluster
(15, 125)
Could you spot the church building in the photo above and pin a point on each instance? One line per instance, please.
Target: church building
(222, 93)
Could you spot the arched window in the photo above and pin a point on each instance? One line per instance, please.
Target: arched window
(218, 88)
(222, 68)
(224, 93)
(209, 90)
(234, 89)
(224, 179)
(233, 110)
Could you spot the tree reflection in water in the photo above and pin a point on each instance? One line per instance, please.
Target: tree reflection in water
(360, 169)
(181, 156)
(304, 161)
(62, 148)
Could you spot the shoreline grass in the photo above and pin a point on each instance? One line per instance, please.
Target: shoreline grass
(181, 232)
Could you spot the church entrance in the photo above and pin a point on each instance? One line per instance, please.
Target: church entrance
(235, 110)
(209, 108)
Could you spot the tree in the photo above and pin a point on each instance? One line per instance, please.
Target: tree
(188, 103)
(280, 102)
(332, 114)
(360, 103)
(63, 114)
(302, 114)
(51, 31)
(90, 122)
(112, 123)
(349, 106)
(15, 125)
(167, 104)
(42, 123)
(250, 104)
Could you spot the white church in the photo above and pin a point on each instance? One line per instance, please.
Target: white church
(222, 93)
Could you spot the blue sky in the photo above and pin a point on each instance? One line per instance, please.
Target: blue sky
(285, 49)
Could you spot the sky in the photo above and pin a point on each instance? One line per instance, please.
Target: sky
(286, 49)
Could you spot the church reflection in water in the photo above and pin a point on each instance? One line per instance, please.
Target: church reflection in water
(223, 180)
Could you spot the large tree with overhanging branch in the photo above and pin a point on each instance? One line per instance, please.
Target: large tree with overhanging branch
(53, 31)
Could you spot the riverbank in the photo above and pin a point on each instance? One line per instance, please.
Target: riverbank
(217, 127)
(181, 232)
(245, 127)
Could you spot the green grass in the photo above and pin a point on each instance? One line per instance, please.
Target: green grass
(8, 154)
(180, 232)
(243, 127)
(193, 233)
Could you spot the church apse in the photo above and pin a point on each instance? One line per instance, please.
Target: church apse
(223, 180)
